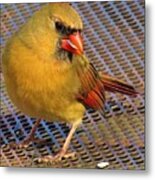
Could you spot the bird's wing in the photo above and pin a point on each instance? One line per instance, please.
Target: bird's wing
(94, 85)
(92, 89)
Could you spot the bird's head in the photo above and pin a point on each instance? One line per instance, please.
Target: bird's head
(67, 26)
(54, 30)
(64, 26)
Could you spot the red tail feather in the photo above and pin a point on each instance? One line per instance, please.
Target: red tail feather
(93, 86)
(115, 85)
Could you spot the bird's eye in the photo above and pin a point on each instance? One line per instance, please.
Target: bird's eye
(60, 27)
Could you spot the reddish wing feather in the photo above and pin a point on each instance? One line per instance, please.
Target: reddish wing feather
(94, 85)
(92, 91)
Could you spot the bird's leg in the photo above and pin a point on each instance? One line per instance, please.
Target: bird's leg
(63, 151)
(29, 138)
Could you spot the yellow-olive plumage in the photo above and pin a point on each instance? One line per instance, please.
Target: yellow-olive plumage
(48, 76)
(38, 83)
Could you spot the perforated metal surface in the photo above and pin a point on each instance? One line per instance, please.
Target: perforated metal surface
(114, 43)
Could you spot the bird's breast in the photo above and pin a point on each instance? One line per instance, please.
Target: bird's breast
(38, 87)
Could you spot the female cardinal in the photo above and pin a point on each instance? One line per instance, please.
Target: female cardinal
(47, 74)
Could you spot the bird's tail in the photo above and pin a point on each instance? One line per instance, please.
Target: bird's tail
(114, 85)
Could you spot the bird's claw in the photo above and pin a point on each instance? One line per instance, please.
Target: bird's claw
(20, 145)
(54, 159)
(25, 143)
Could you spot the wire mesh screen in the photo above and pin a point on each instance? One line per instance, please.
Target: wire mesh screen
(114, 43)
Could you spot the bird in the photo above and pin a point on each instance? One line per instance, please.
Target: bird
(48, 75)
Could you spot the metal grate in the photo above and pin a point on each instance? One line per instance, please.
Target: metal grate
(114, 43)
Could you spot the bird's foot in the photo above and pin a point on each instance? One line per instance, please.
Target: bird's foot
(25, 143)
(54, 159)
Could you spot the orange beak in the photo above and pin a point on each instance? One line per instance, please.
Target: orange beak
(73, 43)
